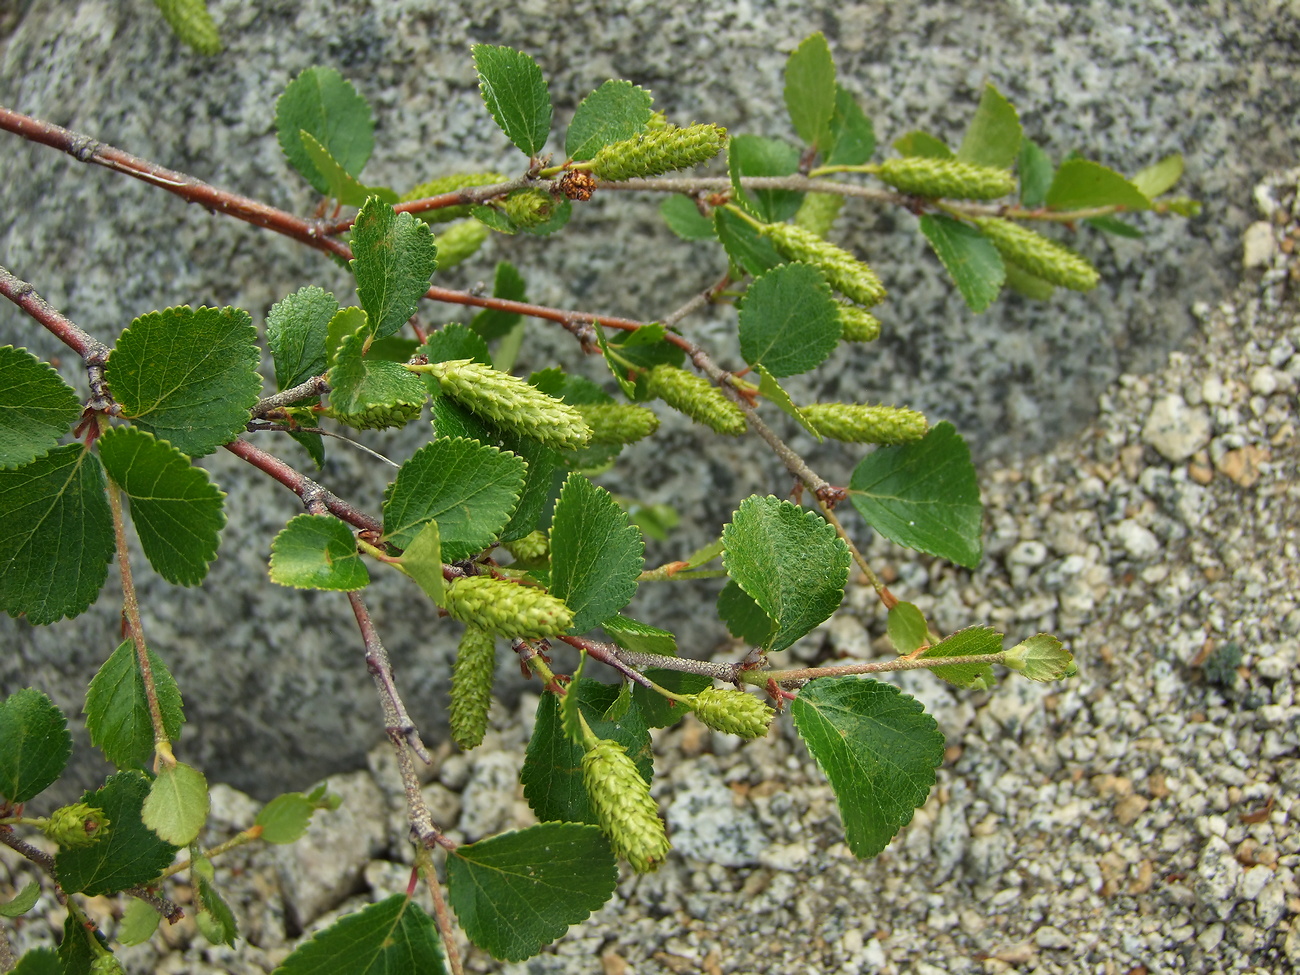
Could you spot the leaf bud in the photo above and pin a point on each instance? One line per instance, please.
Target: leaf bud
(621, 800)
(106, 964)
(471, 686)
(529, 207)
(77, 825)
(507, 609)
(459, 242)
(818, 211)
(697, 398)
(866, 424)
(846, 273)
(618, 423)
(659, 150)
(449, 184)
(533, 547)
(952, 178)
(1041, 658)
(858, 324)
(510, 402)
(734, 712)
(1039, 256)
(381, 416)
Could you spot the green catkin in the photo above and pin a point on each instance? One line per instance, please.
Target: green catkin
(533, 547)
(379, 417)
(618, 423)
(471, 687)
(866, 424)
(951, 178)
(449, 184)
(845, 273)
(818, 211)
(659, 150)
(192, 23)
(1041, 257)
(529, 207)
(106, 964)
(733, 712)
(858, 324)
(697, 398)
(507, 609)
(459, 242)
(621, 800)
(77, 825)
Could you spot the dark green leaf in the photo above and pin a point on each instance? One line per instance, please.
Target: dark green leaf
(285, 818)
(744, 618)
(453, 342)
(615, 111)
(970, 257)
(752, 155)
(922, 144)
(907, 628)
(923, 495)
(340, 184)
(321, 102)
(494, 219)
(392, 937)
(117, 711)
(1116, 226)
(56, 535)
(24, 900)
(537, 495)
(993, 137)
(176, 510)
(853, 134)
(973, 641)
(515, 94)
(1160, 177)
(1031, 286)
(789, 561)
(1036, 174)
(177, 805)
(296, 327)
(516, 892)
(394, 258)
(1080, 184)
(789, 322)
(685, 220)
(658, 711)
(879, 749)
(42, 961)
(36, 745)
(78, 949)
(596, 555)
(36, 407)
(510, 285)
(131, 853)
(317, 552)
(749, 251)
(394, 348)
(359, 384)
(641, 351)
(470, 489)
(188, 377)
(810, 90)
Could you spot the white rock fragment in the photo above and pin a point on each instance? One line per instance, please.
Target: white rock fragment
(1175, 429)
(1139, 542)
(1218, 878)
(1053, 938)
(1258, 245)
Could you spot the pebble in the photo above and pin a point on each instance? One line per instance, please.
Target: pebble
(1176, 429)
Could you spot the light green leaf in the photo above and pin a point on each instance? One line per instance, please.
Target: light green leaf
(392, 937)
(750, 252)
(360, 387)
(187, 376)
(176, 510)
(1116, 226)
(1030, 285)
(879, 749)
(344, 323)
(918, 143)
(642, 637)
(1160, 177)
(788, 322)
(296, 327)
(515, 94)
(1041, 658)
(923, 495)
(744, 618)
(56, 535)
(970, 257)
(320, 102)
(139, 922)
(974, 641)
(789, 561)
(36, 745)
(470, 489)
(596, 555)
(340, 184)
(214, 917)
(1036, 174)
(394, 258)
(117, 711)
(36, 407)
(422, 561)
(518, 891)
(177, 805)
(510, 285)
(993, 137)
(853, 134)
(810, 90)
(453, 342)
(41, 961)
(317, 552)
(285, 818)
(131, 854)
(907, 628)
(685, 220)
(615, 111)
(752, 155)
(772, 391)
(21, 902)
(1080, 184)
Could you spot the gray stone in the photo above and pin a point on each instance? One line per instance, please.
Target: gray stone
(1218, 876)
(1175, 429)
(705, 823)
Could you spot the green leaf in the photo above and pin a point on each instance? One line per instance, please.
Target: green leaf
(1030, 285)
(468, 488)
(176, 510)
(359, 385)
(340, 184)
(78, 949)
(772, 391)
(788, 322)
(907, 628)
(56, 535)
(285, 818)
(296, 327)
(1036, 174)
(139, 922)
(214, 917)
(319, 101)
(974, 641)
(685, 220)
(810, 90)
(36, 407)
(1080, 184)
(752, 155)
(177, 805)
(41, 961)
(117, 711)
(552, 772)
(510, 285)
(131, 853)
(1041, 658)
(22, 902)
(538, 494)
(879, 749)
(641, 350)
(993, 137)
(970, 257)
(658, 711)
(187, 376)
(789, 561)
(452, 342)
(923, 495)
(36, 745)
(515, 94)
(749, 251)
(422, 561)
(615, 111)
(744, 618)
(918, 143)
(394, 258)
(853, 134)
(394, 348)
(1116, 226)
(317, 552)
(392, 937)
(596, 555)
(518, 891)
(1160, 177)
(641, 637)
